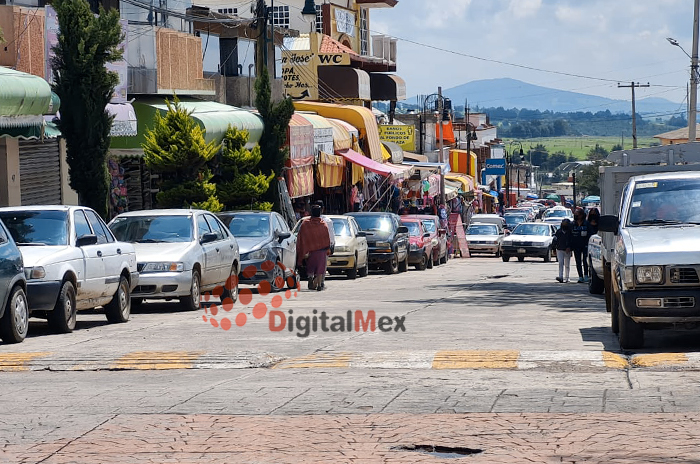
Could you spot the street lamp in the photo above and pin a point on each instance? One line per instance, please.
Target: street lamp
(693, 100)
(509, 161)
(309, 13)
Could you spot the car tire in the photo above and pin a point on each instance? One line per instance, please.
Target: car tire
(614, 316)
(352, 273)
(14, 324)
(505, 258)
(364, 270)
(191, 302)
(444, 259)
(119, 309)
(231, 293)
(548, 256)
(631, 333)
(430, 262)
(596, 286)
(521, 259)
(403, 265)
(392, 266)
(63, 317)
(423, 264)
(276, 273)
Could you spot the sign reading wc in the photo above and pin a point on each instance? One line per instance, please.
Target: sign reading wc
(495, 167)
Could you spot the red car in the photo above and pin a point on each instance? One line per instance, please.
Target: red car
(420, 248)
(438, 236)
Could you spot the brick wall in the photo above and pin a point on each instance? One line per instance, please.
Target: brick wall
(23, 29)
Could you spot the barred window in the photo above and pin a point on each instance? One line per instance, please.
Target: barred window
(233, 11)
(280, 16)
(319, 19)
(364, 32)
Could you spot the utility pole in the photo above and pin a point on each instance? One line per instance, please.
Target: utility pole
(692, 114)
(441, 156)
(261, 17)
(633, 85)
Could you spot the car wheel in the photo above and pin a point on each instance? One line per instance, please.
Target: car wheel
(231, 286)
(277, 278)
(631, 333)
(63, 317)
(521, 259)
(403, 265)
(191, 302)
(392, 266)
(364, 270)
(119, 309)
(352, 273)
(444, 259)
(548, 256)
(505, 258)
(293, 281)
(423, 264)
(430, 262)
(14, 324)
(614, 317)
(596, 286)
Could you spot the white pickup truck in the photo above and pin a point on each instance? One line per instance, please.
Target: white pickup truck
(646, 255)
(71, 261)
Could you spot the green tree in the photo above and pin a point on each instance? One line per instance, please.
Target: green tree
(616, 147)
(175, 148)
(597, 153)
(86, 43)
(587, 178)
(276, 117)
(241, 183)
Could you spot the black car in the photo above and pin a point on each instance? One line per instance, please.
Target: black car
(387, 240)
(14, 309)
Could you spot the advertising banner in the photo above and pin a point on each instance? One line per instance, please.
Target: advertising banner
(495, 167)
(402, 135)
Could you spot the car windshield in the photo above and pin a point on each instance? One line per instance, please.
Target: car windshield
(514, 219)
(341, 228)
(152, 229)
(413, 228)
(665, 202)
(429, 225)
(37, 227)
(375, 223)
(532, 229)
(250, 225)
(482, 230)
(556, 213)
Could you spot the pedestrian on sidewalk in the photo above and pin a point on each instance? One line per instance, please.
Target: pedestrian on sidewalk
(580, 234)
(593, 218)
(563, 246)
(314, 244)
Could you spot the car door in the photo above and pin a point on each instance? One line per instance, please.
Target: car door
(361, 243)
(288, 246)
(10, 263)
(108, 247)
(211, 253)
(92, 283)
(224, 247)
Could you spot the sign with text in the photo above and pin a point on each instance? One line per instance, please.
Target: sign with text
(495, 167)
(402, 135)
(300, 71)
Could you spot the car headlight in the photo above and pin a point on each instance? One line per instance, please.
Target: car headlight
(257, 254)
(383, 245)
(434, 242)
(163, 267)
(341, 249)
(414, 247)
(36, 272)
(650, 274)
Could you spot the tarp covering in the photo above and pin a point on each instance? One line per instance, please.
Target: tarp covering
(300, 177)
(300, 138)
(24, 99)
(383, 170)
(466, 181)
(323, 132)
(342, 140)
(408, 156)
(442, 168)
(331, 170)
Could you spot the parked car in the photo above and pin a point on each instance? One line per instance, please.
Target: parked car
(181, 253)
(438, 236)
(557, 214)
(526, 210)
(264, 236)
(485, 238)
(513, 219)
(14, 308)
(489, 219)
(387, 240)
(72, 262)
(529, 239)
(420, 252)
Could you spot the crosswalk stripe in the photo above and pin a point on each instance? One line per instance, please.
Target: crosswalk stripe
(157, 360)
(13, 362)
(659, 359)
(476, 359)
(317, 361)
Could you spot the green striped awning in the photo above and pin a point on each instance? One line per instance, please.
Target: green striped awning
(24, 99)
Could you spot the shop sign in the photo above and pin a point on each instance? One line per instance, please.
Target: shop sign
(300, 71)
(402, 135)
(495, 167)
(345, 22)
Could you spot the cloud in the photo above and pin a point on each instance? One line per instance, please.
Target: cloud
(438, 14)
(524, 8)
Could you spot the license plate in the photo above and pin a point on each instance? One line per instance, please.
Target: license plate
(522, 250)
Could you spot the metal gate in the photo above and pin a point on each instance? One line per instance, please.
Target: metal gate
(40, 172)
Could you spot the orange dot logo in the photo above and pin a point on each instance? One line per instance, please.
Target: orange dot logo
(222, 311)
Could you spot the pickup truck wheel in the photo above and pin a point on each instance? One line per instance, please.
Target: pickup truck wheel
(505, 258)
(392, 266)
(631, 333)
(119, 309)
(15, 322)
(614, 316)
(191, 302)
(521, 259)
(403, 265)
(596, 286)
(63, 317)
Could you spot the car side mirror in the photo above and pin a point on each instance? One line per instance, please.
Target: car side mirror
(208, 238)
(609, 223)
(402, 230)
(426, 235)
(85, 240)
(283, 236)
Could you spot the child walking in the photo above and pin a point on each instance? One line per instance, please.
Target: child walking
(563, 243)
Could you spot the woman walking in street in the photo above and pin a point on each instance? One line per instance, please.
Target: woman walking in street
(580, 233)
(314, 244)
(563, 245)
(593, 218)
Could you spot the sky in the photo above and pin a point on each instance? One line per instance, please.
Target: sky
(451, 42)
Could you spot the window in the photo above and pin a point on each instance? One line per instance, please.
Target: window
(215, 227)
(319, 19)
(280, 16)
(231, 11)
(202, 226)
(3, 235)
(102, 235)
(81, 224)
(37, 227)
(364, 32)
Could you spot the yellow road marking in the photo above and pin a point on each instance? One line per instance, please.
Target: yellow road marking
(315, 361)
(614, 360)
(11, 362)
(157, 360)
(476, 359)
(659, 359)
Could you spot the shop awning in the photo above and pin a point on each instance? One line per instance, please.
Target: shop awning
(396, 152)
(24, 99)
(441, 168)
(406, 169)
(467, 182)
(300, 177)
(352, 130)
(408, 156)
(342, 140)
(124, 123)
(385, 170)
(387, 87)
(451, 192)
(300, 138)
(340, 83)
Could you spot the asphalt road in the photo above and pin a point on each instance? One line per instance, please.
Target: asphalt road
(474, 355)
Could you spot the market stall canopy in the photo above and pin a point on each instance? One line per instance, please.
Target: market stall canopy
(213, 117)
(441, 168)
(342, 140)
(300, 138)
(408, 156)
(24, 99)
(467, 182)
(395, 151)
(343, 83)
(451, 192)
(387, 87)
(384, 170)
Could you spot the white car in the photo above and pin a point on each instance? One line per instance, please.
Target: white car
(557, 214)
(181, 253)
(485, 238)
(529, 239)
(72, 262)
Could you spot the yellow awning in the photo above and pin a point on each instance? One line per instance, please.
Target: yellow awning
(386, 155)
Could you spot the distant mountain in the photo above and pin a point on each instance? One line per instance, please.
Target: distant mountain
(512, 93)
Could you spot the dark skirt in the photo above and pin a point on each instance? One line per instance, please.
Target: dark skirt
(316, 262)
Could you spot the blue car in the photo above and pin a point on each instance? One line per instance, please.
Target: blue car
(14, 309)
